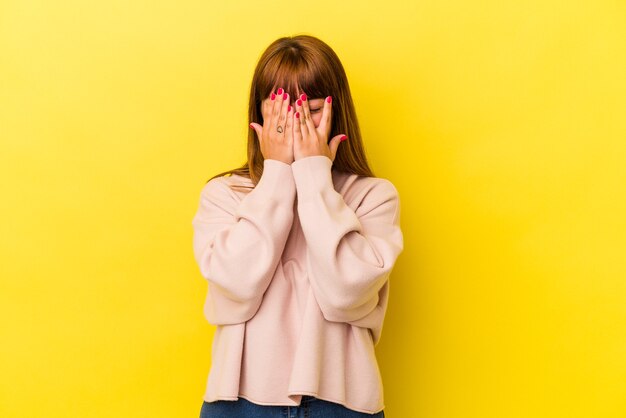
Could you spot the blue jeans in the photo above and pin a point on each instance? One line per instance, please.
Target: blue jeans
(310, 407)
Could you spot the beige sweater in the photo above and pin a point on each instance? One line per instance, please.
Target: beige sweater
(298, 282)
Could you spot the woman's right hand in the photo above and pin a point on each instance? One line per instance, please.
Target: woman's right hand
(276, 134)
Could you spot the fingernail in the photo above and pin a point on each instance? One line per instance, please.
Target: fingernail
(299, 102)
(343, 138)
(285, 96)
(298, 115)
(251, 127)
(273, 96)
(303, 97)
(329, 99)
(280, 91)
(289, 108)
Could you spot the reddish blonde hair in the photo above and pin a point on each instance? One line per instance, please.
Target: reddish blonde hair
(306, 64)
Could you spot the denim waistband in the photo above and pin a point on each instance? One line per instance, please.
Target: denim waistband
(307, 398)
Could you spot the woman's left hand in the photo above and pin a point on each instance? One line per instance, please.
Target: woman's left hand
(309, 140)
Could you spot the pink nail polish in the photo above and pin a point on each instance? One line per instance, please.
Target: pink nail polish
(299, 102)
(285, 96)
(273, 96)
(329, 99)
(343, 138)
(251, 127)
(298, 115)
(303, 97)
(280, 91)
(289, 108)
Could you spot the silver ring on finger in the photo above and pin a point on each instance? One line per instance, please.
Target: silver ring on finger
(279, 129)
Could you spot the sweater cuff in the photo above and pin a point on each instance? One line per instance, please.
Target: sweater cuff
(312, 175)
(277, 181)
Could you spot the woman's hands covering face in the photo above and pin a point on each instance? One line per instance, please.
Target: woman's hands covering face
(276, 135)
(290, 134)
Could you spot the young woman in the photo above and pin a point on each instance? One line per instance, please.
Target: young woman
(297, 246)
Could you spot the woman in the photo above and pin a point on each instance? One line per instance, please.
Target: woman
(297, 246)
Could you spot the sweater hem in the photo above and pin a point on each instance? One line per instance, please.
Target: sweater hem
(347, 405)
(325, 398)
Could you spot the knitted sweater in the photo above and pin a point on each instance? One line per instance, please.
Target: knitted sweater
(298, 282)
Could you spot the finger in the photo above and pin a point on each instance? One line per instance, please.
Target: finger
(289, 125)
(307, 113)
(297, 130)
(266, 110)
(333, 144)
(302, 126)
(276, 105)
(327, 112)
(258, 129)
(282, 119)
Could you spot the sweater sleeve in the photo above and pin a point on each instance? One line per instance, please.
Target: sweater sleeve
(350, 252)
(238, 243)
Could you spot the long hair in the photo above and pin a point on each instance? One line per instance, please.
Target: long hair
(307, 64)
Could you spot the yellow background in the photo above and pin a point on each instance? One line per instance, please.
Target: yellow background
(502, 124)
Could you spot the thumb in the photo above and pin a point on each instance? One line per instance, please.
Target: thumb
(334, 144)
(257, 128)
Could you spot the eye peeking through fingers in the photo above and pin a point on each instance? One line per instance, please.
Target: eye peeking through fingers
(311, 109)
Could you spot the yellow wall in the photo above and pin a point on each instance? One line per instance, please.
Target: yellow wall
(503, 125)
